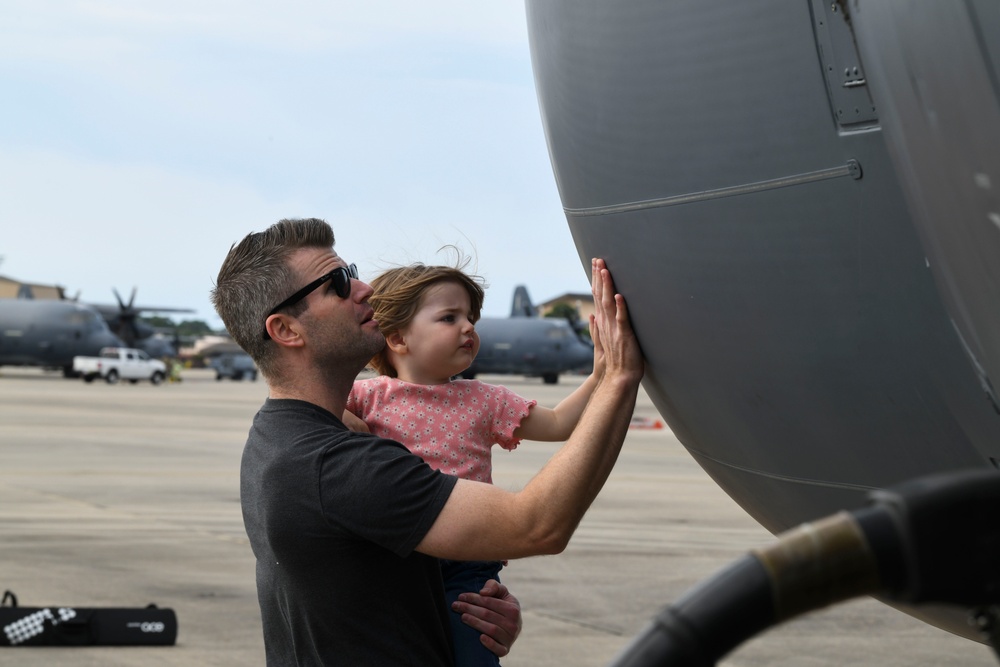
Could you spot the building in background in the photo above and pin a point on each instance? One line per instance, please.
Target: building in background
(15, 289)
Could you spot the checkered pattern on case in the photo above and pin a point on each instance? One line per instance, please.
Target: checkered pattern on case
(32, 625)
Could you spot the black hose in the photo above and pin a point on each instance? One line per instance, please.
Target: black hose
(936, 539)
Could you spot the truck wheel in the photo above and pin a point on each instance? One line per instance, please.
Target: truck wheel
(236, 376)
(111, 377)
(157, 378)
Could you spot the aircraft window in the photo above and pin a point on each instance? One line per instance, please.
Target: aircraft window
(556, 334)
(87, 320)
(98, 323)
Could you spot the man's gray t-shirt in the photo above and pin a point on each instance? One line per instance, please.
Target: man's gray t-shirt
(333, 517)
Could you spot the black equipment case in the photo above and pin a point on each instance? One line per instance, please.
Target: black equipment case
(78, 626)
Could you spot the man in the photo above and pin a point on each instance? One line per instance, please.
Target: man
(346, 527)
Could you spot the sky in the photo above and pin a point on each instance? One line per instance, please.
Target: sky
(139, 140)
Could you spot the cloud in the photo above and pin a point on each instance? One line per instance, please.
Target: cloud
(142, 139)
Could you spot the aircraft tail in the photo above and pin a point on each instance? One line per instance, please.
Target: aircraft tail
(521, 306)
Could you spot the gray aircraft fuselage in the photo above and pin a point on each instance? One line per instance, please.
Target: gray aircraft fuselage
(49, 333)
(535, 346)
(802, 213)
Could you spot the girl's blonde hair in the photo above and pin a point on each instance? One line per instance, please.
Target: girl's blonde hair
(397, 298)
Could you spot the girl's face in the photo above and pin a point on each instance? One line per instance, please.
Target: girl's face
(441, 341)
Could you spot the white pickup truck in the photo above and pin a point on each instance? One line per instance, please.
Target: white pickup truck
(120, 363)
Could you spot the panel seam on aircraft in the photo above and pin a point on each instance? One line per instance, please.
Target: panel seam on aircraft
(729, 191)
(783, 478)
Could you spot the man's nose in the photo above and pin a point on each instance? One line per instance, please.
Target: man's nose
(361, 290)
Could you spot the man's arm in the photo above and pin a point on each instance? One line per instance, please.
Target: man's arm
(481, 521)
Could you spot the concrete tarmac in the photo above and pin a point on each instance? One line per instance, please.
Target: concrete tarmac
(121, 496)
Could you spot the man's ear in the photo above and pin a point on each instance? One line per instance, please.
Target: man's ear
(284, 330)
(396, 343)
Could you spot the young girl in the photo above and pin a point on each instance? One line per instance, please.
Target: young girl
(428, 316)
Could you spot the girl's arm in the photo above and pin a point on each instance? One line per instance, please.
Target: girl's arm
(484, 522)
(556, 424)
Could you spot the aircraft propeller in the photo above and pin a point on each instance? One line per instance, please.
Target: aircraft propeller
(579, 326)
(126, 323)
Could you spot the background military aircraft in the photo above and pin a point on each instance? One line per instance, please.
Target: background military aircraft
(123, 319)
(526, 344)
(50, 332)
(799, 200)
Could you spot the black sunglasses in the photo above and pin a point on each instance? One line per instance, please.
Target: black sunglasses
(340, 280)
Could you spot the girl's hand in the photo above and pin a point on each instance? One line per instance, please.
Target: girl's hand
(354, 422)
(595, 336)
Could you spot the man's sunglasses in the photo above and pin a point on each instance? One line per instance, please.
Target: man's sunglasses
(340, 280)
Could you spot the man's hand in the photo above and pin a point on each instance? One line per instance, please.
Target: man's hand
(495, 612)
(611, 328)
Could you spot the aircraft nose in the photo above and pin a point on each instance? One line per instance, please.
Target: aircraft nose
(583, 354)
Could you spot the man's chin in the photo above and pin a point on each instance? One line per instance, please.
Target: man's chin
(377, 344)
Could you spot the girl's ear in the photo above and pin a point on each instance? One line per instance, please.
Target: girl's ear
(396, 343)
